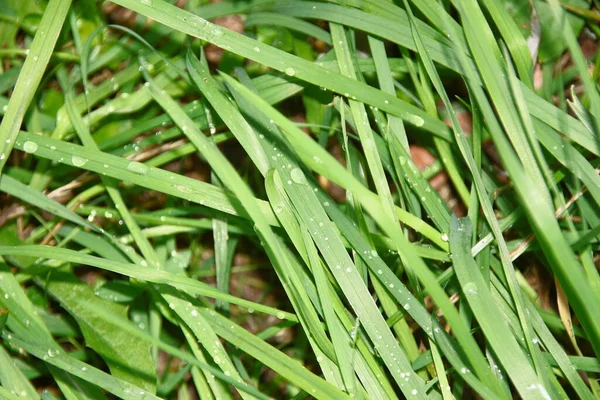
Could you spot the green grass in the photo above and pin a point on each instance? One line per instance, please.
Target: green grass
(250, 224)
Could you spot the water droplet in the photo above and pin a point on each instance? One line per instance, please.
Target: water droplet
(138, 168)
(183, 189)
(78, 161)
(289, 71)
(470, 289)
(298, 176)
(146, 2)
(30, 147)
(256, 49)
(280, 315)
(52, 352)
(444, 237)
(417, 121)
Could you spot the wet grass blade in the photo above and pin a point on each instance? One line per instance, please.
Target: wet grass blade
(31, 74)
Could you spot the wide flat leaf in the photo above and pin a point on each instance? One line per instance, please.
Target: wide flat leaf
(128, 357)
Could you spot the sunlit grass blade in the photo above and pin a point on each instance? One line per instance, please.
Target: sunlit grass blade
(31, 74)
(299, 141)
(477, 294)
(546, 228)
(13, 379)
(139, 272)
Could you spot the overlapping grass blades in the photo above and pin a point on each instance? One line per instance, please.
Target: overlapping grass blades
(384, 292)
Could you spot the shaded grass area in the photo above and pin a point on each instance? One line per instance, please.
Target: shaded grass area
(296, 199)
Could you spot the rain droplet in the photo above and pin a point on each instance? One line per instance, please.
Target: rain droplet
(470, 289)
(146, 2)
(138, 168)
(78, 161)
(290, 71)
(183, 189)
(444, 237)
(298, 176)
(30, 147)
(52, 352)
(417, 121)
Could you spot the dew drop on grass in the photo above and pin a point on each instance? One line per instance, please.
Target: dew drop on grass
(298, 176)
(417, 121)
(444, 237)
(289, 71)
(470, 289)
(52, 352)
(78, 161)
(138, 168)
(146, 2)
(183, 189)
(30, 147)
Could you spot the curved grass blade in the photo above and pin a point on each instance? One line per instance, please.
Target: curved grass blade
(135, 271)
